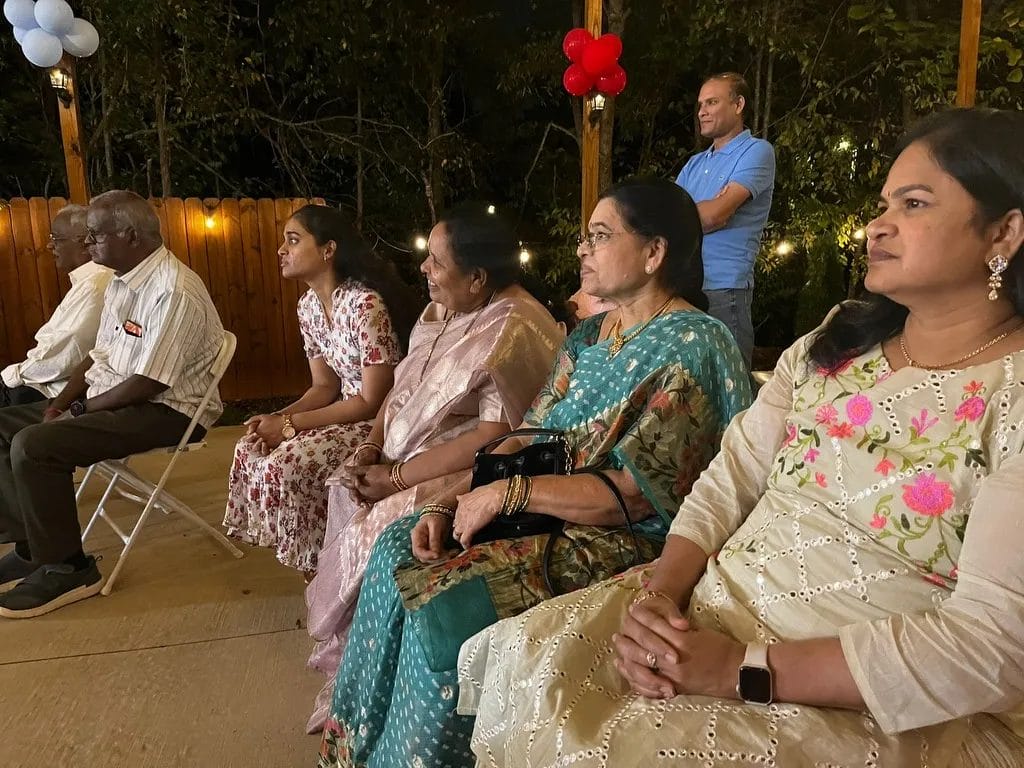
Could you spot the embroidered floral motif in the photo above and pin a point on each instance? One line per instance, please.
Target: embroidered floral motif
(859, 410)
(928, 496)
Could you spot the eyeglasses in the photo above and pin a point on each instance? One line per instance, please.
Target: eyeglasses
(596, 239)
(99, 237)
(55, 239)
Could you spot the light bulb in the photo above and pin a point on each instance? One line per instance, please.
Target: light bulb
(859, 234)
(784, 248)
(210, 222)
(420, 243)
(524, 256)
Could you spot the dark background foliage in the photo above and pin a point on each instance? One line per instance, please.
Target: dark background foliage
(394, 109)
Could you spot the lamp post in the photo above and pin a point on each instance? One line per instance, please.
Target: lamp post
(62, 79)
(970, 34)
(591, 127)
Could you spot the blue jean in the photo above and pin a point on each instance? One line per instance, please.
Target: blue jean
(732, 307)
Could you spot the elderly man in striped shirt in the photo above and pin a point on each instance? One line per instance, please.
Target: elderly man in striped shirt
(138, 389)
(66, 338)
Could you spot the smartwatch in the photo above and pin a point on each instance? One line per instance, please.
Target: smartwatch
(754, 685)
(77, 408)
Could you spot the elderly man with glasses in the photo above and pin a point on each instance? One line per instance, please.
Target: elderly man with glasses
(137, 389)
(66, 338)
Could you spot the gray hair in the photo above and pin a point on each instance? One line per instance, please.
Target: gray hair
(75, 215)
(130, 210)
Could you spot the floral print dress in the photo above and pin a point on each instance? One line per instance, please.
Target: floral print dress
(280, 500)
(877, 506)
(657, 410)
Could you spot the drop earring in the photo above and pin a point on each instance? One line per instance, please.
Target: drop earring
(997, 265)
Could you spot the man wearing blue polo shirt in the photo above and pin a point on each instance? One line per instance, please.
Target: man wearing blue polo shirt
(732, 183)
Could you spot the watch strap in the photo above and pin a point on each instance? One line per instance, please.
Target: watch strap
(756, 655)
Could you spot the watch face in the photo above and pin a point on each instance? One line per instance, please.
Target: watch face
(288, 433)
(755, 685)
(77, 408)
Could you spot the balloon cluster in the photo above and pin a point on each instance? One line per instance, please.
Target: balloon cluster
(595, 63)
(47, 28)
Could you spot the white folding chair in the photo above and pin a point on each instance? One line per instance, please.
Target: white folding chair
(122, 478)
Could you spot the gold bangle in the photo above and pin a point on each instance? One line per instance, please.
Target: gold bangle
(438, 509)
(368, 444)
(396, 476)
(647, 594)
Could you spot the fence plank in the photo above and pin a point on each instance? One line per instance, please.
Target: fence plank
(177, 236)
(13, 338)
(237, 318)
(157, 205)
(25, 255)
(46, 269)
(270, 237)
(257, 382)
(297, 365)
(218, 284)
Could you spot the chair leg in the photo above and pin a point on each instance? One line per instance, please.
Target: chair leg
(100, 508)
(85, 482)
(170, 504)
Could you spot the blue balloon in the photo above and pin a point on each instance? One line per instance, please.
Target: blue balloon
(42, 48)
(21, 13)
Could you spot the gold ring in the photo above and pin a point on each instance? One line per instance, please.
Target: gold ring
(652, 660)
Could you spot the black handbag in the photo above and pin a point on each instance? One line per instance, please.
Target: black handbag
(550, 457)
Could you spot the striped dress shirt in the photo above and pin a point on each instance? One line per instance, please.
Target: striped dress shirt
(159, 322)
(66, 338)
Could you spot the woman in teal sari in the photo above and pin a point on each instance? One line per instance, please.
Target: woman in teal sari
(642, 392)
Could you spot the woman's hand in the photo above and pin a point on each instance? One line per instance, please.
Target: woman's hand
(661, 656)
(430, 538)
(269, 430)
(476, 509)
(253, 423)
(372, 482)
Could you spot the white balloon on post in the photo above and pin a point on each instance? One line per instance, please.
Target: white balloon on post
(42, 48)
(19, 34)
(21, 13)
(54, 16)
(82, 40)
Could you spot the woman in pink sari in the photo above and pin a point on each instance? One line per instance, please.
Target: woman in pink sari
(479, 353)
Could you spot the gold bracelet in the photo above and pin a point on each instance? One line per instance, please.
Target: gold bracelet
(368, 444)
(438, 509)
(647, 594)
(396, 476)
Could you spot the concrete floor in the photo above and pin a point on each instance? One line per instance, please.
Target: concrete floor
(196, 659)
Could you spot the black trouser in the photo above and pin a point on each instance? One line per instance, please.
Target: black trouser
(19, 395)
(38, 461)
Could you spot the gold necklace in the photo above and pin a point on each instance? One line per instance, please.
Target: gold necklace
(444, 328)
(945, 366)
(619, 341)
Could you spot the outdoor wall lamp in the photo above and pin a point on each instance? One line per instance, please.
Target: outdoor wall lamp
(60, 79)
(597, 102)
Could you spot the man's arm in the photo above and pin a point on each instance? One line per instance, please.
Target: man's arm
(132, 391)
(75, 388)
(716, 212)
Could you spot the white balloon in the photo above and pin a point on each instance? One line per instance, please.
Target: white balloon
(21, 13)
(54, 16)
(19, 34)
(42, 48)
(82, 40)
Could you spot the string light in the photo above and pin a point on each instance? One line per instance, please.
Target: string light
(524, 256)
(491, 209)
(210, 222)
(784, 248)
(420, 243)
(859, 234)
(843, 145)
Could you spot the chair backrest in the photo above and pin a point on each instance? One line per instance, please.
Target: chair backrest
(218, 368)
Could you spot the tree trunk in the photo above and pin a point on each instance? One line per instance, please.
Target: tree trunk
(616, 15)
(906, 99)
(755, 124)
(163, 140)
(435, 123)
(766, 122)
(360, 168)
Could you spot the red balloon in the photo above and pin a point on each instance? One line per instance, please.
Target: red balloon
(601, 55)
(576, 80)
(613, 83)
(575, 42)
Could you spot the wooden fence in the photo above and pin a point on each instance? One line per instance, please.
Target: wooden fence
(231, 244)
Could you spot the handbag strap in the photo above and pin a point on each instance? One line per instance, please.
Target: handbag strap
(525, 432)
(596, 472)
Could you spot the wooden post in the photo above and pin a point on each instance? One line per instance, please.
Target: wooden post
(970, 34)
(71, 133)
(591, 129)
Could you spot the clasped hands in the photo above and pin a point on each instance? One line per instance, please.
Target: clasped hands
(264, 432)
(368, 481)
(474, 510)
(661, 655)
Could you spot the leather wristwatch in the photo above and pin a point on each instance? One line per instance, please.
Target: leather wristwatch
(755, 684)
(77, 408)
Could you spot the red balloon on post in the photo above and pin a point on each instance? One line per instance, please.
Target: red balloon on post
(601, 55)
(576, 80)
(613, 83)
(576, 40)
